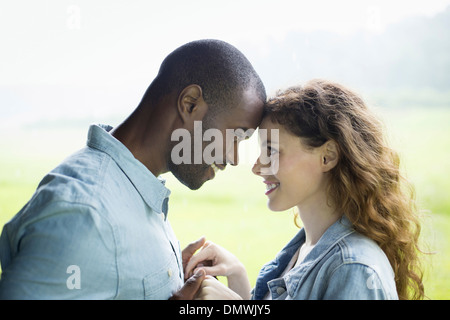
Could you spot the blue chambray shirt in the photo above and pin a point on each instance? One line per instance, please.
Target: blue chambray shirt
(96, 228)
(343, 265)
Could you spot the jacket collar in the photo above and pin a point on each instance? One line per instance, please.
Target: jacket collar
(271, 271)
(335, 233)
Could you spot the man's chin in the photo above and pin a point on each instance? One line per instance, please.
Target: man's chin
(192, 180)
(193, 185)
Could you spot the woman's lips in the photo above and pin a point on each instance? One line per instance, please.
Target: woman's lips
(271, 186)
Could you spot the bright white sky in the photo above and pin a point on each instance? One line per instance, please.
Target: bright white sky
(59, 41)
(112, 49)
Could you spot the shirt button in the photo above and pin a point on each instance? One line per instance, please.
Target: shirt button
(169, 273)
(280, 290)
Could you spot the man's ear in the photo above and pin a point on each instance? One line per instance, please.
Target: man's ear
(330, 155)
(191, 105)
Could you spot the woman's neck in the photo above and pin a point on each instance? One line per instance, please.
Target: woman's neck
(316, 220)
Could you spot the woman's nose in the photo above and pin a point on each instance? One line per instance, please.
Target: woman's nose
(256, 169)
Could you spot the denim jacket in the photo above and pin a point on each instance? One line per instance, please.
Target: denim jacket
(343, 265)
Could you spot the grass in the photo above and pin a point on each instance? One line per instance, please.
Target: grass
(231, 210)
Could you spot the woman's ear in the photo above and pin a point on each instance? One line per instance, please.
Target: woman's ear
(191, 105)
(330, 155)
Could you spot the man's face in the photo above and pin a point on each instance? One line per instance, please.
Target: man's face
(220, 137)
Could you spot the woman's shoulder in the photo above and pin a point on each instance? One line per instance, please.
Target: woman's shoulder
(358, 248)
(359, 251)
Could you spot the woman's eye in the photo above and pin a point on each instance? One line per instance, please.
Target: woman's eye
(271, 151)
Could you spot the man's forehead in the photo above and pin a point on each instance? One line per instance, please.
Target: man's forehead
(250, 108)
(250, 96)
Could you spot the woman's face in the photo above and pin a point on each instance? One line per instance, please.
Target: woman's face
(294, 176)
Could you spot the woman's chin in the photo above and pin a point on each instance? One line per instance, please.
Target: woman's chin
(273, 206)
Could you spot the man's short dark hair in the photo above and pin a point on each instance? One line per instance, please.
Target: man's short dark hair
(220, 69)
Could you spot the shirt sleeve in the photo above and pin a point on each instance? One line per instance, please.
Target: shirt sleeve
(354, 281)
(65, 252)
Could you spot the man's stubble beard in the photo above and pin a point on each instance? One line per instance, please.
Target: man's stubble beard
(191, 175)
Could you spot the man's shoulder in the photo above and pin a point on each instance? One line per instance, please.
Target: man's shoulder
(77, 178)
(86, 165)
(73, 186)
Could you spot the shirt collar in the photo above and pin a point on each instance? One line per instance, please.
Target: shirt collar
(151, 188)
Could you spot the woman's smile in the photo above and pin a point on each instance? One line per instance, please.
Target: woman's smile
(271, 186)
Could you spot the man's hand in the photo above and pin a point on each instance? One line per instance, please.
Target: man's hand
(191, 287)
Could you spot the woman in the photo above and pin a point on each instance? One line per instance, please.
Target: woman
(360, 226)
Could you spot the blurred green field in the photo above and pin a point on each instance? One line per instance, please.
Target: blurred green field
(231, 209)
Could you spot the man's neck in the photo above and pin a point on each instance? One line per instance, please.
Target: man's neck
(144, 133)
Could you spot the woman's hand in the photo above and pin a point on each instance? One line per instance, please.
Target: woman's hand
(190, 250)
(212, 289)
(217, 261)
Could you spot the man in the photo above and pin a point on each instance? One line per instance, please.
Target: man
(96, 227)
